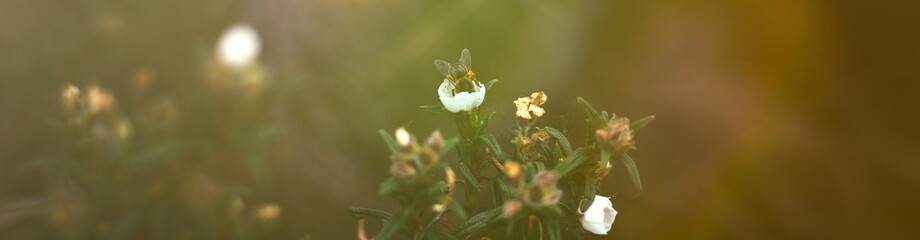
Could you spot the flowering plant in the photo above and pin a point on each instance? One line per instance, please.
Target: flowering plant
(542, 188)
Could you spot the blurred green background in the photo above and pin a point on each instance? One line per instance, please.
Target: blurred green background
(775, 119)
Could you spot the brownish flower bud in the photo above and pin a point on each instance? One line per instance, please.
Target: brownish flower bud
(451, 178)
(540, 136)
(543, 191)
(403, 171)
(617, 134)
(512, 169)
(510, 208)
(435, 141)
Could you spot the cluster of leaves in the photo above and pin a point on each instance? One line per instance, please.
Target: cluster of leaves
(538, 190)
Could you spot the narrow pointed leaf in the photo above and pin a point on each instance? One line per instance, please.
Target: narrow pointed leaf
(390, 227)
(641, 123)
(449, 145)
(391, 143)
(560, 138)
(594, 118)
(633, 171)
(465, 172)
(490, 83)
(361, 213)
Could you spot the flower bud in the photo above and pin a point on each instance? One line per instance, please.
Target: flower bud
(617, 134)
(451, 178)
(403, 171)
(599, 216)
(510, 208)
(543, 190)
(98, 100)
(403, 138)
(540, 136)
(70, 98)
(435, 141)
(512, 169)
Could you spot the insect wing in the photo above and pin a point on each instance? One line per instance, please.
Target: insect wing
(442, 66)
(465, 58)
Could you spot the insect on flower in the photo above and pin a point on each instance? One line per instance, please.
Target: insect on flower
(459, 74)
(460, 91)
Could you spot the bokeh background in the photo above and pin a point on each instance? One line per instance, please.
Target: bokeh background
(775, 119)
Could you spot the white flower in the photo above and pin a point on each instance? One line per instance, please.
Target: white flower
(600, 216)
(462, 101)
(238, 46)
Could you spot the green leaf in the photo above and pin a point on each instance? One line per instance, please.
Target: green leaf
(435, 109)
(449, 145)
(576, 159)
(538, 166)
(391, 143)
(465, 172)
(390, 227)
(492, 143)
(633, 171)
(594, 118)
(456, 208)
(504, 190)
(440, 235)
(558, 152)
(590, 191)
(436, 189)
(484, 122)
(490, 83)
(361, 213)
(551, 228)
(388, 186)
(641, 123)
(461, 233)
(605, 159)
(477, 222)
(560, 138)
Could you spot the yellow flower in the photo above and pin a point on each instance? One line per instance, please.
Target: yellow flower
(527, 105)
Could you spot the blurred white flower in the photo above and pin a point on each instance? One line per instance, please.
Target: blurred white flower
(462, 101)
(599, 216)
(238, 46)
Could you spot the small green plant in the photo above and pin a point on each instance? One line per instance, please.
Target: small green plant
(542, 188)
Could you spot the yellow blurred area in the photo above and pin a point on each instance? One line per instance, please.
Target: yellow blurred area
(774, 119)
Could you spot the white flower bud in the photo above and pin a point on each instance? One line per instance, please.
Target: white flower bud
(463, 101)
(403, 138)
(238, 46)
(599, 216)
